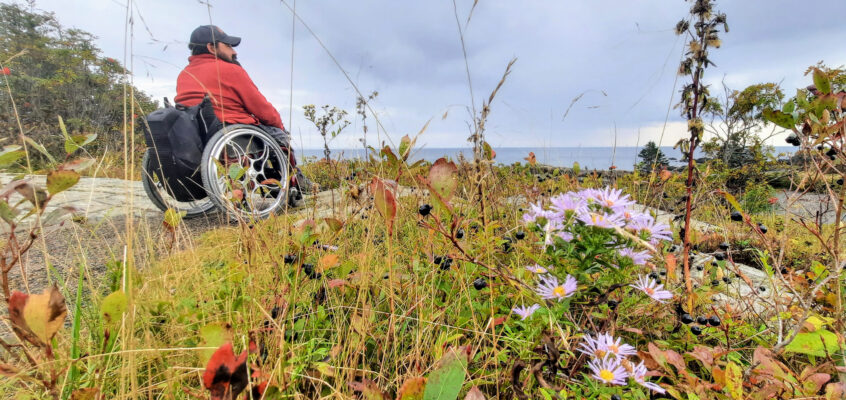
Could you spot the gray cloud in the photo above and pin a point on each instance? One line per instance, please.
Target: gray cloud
(410, 52)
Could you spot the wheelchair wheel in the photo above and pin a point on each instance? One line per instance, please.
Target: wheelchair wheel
(157, 194)
(245, 172)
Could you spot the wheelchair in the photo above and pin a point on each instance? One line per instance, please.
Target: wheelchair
(242, 172)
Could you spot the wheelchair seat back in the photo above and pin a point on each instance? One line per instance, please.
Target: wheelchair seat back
(177, 136)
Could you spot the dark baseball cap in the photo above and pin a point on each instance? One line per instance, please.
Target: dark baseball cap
(211, 34)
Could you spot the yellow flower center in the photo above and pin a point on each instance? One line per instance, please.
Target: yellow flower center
(606, 375)
(559, 291)
(614, 349)
(595, 218)
(649, 291)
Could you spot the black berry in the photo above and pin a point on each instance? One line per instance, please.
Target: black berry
(840, 181)
(701, 320)
(784, 271)
(727, 280)
(446, 263)
(290, 258)
(459, 234)
(724, 246)
(438, 260)
(520, 235)
(719, 256)
(686, 319)
(763, 228)
(715, 283)
(736, 216)
(714, 320)
(653, 275)
(700, 267)
(424, 209)
(612, 304)
(310, 272)
(763, 289)
(615, 397)
(480, 283)
(696, 330)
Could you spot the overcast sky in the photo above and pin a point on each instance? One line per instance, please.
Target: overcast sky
(621, 54)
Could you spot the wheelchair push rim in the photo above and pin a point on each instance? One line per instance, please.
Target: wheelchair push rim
(159, 196)
(245, 172)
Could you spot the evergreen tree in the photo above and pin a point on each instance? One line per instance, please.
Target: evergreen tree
(651, 157)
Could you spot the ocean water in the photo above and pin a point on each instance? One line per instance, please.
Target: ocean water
(624, 158)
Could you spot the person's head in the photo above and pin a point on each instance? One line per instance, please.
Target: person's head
(209, 39)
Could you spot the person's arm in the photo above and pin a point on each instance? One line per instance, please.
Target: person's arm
(253, 100)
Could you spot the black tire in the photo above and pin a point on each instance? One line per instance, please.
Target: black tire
(160, 198)
(237, 145)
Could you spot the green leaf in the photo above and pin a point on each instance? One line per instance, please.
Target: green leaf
(11, 154)
(77, 142)
(734, 381)
(173, 218)
(788, 107)
(7, 213)
(236, 172)
(445, 381)
(40, 148)
(214, 335)
(113, 307)
(816, 343)
(61, 180)
(779, 118)
(821, 81)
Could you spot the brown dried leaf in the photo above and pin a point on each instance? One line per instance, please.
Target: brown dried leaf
(8, 370)
(369, 390)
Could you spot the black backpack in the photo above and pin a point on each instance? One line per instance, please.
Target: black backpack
(177, 136)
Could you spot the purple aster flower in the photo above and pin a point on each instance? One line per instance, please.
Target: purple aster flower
(639, 375)
(652, 289)
(637, 257)
(605, 344)
(566, 236)
(550, 289)
(525, 312)
(568, 202)
(654, 230)
(536, 269)
(613, 199)
(601, 220)
(608, 370)
(535, 212)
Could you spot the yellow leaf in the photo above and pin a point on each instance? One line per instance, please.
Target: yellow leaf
(45, 313)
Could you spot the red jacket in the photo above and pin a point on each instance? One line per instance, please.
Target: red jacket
(235, 97)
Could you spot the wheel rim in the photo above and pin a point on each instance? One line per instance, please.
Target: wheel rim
(247, 174)
(191, 208)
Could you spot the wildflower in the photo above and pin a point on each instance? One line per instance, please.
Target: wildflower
(613, 199)
(565, 236)
(637, 257)
(654, 230)
(652, 289)
(601, 220)
(537, 269)
(608, 370)
(568, 202)
(605, 344)
(639, 375)
(525, 312)
(536, 212)
(550, 289)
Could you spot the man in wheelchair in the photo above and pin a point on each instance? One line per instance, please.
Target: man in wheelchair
(213, 70)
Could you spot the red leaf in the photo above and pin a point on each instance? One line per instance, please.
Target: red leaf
(336, 283)
(385, 202)
(226, 376)
(6, 71)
